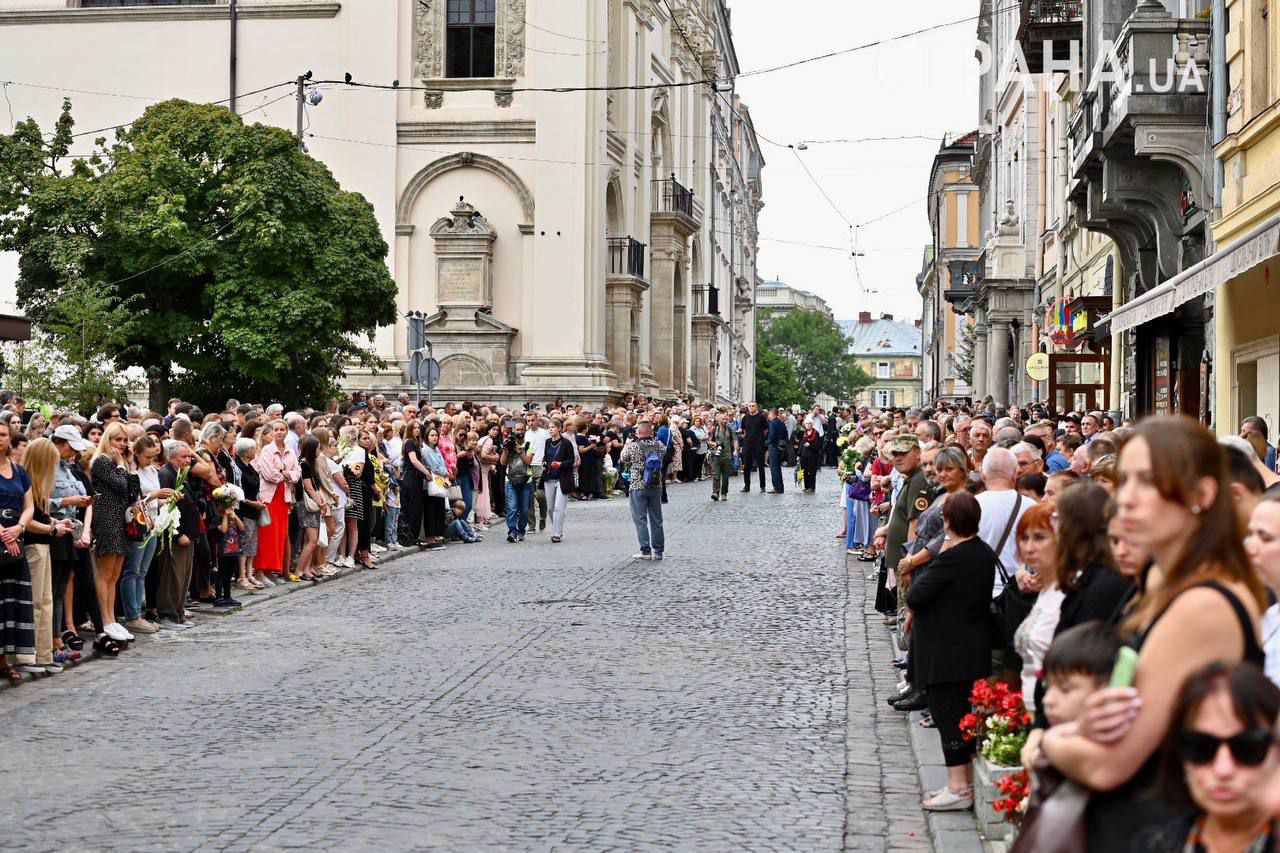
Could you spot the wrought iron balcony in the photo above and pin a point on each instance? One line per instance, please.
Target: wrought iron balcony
(1050, 28)
(670, 196)
(706, 300)
(626, 256)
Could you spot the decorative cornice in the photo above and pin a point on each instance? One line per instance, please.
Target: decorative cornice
(247, 11)
(408, 132)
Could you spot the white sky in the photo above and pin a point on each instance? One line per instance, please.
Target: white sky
(925, 85)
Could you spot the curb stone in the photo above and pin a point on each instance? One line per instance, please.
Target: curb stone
(247, 600)
(952, 832)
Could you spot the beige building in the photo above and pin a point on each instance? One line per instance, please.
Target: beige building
(889, 351)
(585, 243)
(778, 296)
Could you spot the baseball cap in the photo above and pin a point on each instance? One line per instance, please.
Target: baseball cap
(903, 444)
(72, 436)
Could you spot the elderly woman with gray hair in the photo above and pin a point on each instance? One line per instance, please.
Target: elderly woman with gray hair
(250, 512)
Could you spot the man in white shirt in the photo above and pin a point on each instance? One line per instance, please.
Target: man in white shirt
(536, 434)
(297, 429)
(998, 502)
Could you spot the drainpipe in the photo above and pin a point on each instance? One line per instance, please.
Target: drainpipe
(234, 21)
(1219, 73)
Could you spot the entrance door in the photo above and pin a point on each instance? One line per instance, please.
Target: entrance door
(1256, 381)
(1079, 382)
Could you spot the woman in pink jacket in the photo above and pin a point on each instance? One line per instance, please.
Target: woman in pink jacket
(278, 467)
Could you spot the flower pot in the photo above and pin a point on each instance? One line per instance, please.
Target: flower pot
(985, 792)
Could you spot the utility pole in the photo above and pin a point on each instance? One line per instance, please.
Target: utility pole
(302, 84)
(234, 22)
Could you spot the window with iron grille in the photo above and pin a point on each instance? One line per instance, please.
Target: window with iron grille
(470, 39)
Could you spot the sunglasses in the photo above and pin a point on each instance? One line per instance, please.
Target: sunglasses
(1249, 748)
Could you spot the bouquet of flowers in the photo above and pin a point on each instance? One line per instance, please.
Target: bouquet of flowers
(168, 517)
(848, 461)
(228, 496)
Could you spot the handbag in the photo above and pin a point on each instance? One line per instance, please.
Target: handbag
(455, 493)
(1055, 821)
(264, 517)
(136, 524)
(436, 488)
(309, 503)
(999, 613)
(11, 562)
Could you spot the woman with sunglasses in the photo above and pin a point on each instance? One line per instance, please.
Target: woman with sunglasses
(1173, 501)
(1219, 755)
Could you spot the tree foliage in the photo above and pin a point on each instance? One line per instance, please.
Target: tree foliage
(243, 266)
(776, 383)
(816, 350)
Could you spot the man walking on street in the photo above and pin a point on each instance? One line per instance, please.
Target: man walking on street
(537, 436)
(777, 438)
(755, 431)
(722, 443)
(643, 458)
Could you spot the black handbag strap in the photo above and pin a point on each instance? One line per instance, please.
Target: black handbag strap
(1013, 516)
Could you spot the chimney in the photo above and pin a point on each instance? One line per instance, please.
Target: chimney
(886, 317)
(918, 324)
(864, 316)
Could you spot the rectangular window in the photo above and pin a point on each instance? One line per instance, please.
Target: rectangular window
(884, 398)
(103, 4)
(469, 43)
(882, 370)
(962, 219)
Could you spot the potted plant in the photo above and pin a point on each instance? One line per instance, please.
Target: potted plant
(999, 724)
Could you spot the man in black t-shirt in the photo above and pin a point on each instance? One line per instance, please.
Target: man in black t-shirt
(754, 427)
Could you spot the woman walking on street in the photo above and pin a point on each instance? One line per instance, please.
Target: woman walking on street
(810, 455)
(557, 476)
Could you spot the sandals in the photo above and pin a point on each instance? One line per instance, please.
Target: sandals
(948, 801)
(72, 640)
(106, 646)
(245, 583)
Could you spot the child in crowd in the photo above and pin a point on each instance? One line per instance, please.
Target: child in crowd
(393, 506)
(1078, 662)
(458, 527)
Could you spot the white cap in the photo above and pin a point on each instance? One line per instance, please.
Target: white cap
(72, 436)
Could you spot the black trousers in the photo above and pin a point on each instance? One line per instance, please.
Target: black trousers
(948, 703)
(62, 572)
(85, 597)
(228, 571)
(810, 467)
(752, 457)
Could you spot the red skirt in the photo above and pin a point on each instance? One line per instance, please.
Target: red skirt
(273, 538)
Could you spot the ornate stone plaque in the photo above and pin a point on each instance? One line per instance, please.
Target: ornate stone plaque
(460, 280)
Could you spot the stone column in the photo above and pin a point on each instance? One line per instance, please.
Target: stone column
(619, 337)
(662, 317)
(998, 361)
(979, 384)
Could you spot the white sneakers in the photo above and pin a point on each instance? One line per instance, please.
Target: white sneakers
(376, 548)
(117, 632)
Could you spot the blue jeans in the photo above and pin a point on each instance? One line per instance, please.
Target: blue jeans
(775, 467)
(459, 529)
(468, 495)
(646, 513)
(518, 498)
(133, 577)
(392, 524)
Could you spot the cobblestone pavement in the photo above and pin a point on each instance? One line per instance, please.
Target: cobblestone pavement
(499, 696)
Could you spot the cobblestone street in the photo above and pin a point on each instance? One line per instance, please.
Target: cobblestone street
(499, 696)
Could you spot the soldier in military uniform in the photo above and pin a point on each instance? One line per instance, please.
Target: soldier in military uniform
(913, 499)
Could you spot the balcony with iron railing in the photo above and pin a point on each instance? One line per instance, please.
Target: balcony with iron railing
(706, 300)
(1048, 29)
(626, 257)
(672, 200)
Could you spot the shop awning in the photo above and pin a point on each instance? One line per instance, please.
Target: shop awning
(1257, 246)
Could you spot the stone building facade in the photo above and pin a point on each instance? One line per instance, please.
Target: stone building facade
(560, 243)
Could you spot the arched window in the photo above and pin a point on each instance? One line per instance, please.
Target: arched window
(469, 47)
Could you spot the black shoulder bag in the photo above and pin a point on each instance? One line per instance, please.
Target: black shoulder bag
(1011, 606)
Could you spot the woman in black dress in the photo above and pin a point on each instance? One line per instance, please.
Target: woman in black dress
(950, 602)
(413, 474)
(114, 491)
(810, 455)
(691, 461)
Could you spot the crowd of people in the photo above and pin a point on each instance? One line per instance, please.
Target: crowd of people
(1121, 578)
(132, 521)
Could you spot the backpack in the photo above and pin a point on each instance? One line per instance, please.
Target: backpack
(653, 465)
(517, 470)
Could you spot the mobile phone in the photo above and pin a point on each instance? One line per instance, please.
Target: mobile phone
(1125, 669)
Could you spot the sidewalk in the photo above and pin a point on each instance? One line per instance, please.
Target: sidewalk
(950, 832)
(246, 598)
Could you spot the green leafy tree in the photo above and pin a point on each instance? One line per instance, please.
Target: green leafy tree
(776, 383)
(817, 350)
(246, 270)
